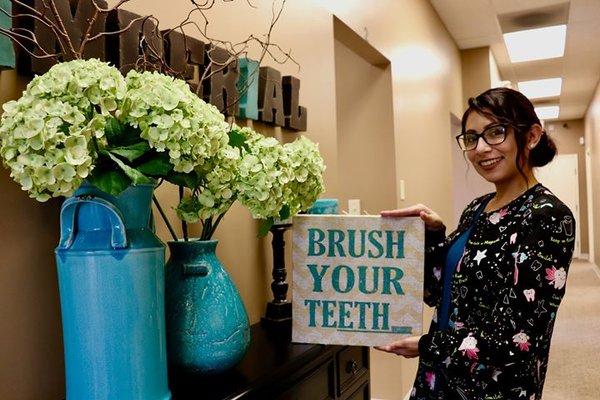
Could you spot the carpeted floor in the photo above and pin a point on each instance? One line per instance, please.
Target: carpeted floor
(574, 366)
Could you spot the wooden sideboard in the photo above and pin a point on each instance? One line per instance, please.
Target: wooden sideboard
(274, 368)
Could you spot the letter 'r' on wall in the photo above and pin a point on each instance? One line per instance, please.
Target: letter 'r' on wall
(7, 52)
(270, 96)
(248, 88)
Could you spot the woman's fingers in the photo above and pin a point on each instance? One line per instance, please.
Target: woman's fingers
(412, 211)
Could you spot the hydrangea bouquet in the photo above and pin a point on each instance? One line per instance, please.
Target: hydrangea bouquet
(82, 120)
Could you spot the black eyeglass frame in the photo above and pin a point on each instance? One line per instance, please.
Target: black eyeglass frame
(504, 125)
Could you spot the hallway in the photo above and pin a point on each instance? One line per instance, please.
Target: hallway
(573, 367)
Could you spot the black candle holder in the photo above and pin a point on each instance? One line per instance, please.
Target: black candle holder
(279, 311)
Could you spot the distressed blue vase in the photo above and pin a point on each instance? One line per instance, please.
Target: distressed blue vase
(111, 281)
(207, 325)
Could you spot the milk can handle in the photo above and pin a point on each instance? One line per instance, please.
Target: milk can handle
(68, 221)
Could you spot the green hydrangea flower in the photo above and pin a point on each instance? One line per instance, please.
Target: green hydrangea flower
(173, 119)
(307, 168)
(46, 136)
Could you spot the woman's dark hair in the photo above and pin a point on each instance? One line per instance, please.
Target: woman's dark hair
(512, 107)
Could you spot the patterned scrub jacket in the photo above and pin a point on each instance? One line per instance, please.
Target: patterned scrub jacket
(504, 297)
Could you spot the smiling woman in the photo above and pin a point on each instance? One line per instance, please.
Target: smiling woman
(497, 280)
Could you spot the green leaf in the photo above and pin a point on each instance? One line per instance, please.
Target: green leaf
(158, 165)
(285, 212)
(113, 130)
(133, 151)
(265, 226)
(111, 181)
(237, 139)
(136, 176)
(119, 134)
(191, 180)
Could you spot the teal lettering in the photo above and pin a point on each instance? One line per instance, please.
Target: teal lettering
(389, 280)
(315, 241)
(362, 279)
(327, 313)
(375, 244)
(312, 305)
(352, 246)
(317, 276)
(384, 315)
(335, 279)
(390, 243)
(345, 314)
(362, 307)
(336, 238)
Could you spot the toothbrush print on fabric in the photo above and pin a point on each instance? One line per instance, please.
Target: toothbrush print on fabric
(504, 300)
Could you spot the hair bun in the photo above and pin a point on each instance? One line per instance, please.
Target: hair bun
(543, 152)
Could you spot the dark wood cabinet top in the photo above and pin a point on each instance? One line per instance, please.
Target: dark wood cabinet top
(271, 365)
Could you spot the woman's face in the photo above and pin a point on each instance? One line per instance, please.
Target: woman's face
(495, 163)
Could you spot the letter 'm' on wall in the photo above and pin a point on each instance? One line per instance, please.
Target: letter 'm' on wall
(75, 18)
(7, 52)
(295, 115)
(270, 96)
(124, 50)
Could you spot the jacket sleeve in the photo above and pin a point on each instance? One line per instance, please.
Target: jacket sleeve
(523, 316)
(436, 249)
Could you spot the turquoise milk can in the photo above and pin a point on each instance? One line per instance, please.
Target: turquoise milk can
(111, 281)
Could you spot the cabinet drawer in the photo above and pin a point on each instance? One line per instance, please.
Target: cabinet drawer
(362, 393)
(352, 363)
(318, 385)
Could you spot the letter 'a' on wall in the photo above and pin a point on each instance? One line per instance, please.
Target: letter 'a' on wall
(357, 280)
(7, 52)
(248, 88)
(270, 96)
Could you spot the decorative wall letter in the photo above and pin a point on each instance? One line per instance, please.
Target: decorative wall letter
(223, 81)
(248, 88)
(186, 56)
(75, 20)
(124, 49)
(270, 96)
(7, 53)
(295, 115)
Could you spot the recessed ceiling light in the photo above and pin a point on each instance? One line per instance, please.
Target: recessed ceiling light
(547, 112)
(541, 88)
(536, 44)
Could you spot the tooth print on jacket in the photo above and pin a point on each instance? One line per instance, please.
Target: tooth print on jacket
(505, 293)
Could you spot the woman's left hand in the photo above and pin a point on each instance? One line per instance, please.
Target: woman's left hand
(407, 347)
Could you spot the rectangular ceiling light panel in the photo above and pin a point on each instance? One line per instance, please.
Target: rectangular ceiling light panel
(541, 88)
(536, 44)
(547, 112)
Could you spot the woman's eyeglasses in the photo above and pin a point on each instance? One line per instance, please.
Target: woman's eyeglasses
(492, 135)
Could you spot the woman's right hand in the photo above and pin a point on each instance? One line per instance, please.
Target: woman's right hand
(432, 220)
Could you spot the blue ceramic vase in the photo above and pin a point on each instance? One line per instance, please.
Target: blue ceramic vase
(111, 281)
(207, 325)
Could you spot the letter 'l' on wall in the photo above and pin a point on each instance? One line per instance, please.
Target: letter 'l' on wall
(7, 52)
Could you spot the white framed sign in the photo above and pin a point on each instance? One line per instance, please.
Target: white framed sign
(357, 280)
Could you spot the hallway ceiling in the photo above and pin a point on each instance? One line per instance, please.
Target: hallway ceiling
(479, 23)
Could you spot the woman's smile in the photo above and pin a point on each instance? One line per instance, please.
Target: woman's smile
(490, 163)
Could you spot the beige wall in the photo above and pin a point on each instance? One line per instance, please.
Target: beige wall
(566, 135)
(426, 86)
(592, 149)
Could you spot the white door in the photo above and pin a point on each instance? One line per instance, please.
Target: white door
(562, 178)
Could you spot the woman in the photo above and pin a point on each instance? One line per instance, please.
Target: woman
(496, 281)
